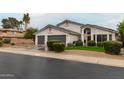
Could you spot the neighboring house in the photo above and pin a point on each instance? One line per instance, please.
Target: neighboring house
(11, 33)
(69, 31)
(15, 36)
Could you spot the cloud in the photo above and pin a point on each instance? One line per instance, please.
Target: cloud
(104, 19)
(112, 19)
(40, 20)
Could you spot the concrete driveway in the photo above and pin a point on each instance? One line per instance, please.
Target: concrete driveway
(17, 66)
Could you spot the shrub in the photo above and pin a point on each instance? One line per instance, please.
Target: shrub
(70, 44)
(91, 43)
(51, 42)
(1, 43)
(0, 38)
(12, 43)
(58, 47)
(112, 47)
(74, 42)
(78, 43)
(100, 44)
(6, 41)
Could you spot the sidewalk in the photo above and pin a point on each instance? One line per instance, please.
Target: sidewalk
(77, 58)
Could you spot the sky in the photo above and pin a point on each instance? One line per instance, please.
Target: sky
(109, 20)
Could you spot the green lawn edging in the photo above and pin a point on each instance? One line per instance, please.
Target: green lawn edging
(89, 48)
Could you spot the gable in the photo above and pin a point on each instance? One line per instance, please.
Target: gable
(100, 31)
(71, 26)
(51, 31)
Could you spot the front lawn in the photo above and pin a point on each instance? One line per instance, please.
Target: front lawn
(98, 49)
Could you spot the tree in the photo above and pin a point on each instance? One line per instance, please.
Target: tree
(121, 31)
(29, 33)
(10, 22)
(26, 20)
(20, 25)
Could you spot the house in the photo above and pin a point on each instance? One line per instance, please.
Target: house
(11, 33)
(15, 36)
(69, 31)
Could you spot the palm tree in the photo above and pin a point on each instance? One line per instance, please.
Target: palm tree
(20, 25)
(26, 20)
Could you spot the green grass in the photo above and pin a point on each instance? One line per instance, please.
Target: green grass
(98, 49)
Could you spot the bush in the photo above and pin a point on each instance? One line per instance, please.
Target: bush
(91, 43)
(74, 42)
(1, 43)
(12, 43)
(70, 44)
(6, 41)
(58, 47)
(50, 44)
(78, 43)
(112, 47)
(100, 44)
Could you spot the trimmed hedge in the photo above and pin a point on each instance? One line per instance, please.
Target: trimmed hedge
(1, 43)
(91, 43)
(112, 47)
(50, 44)
(58, 47)
(100, 44)
(78, 43)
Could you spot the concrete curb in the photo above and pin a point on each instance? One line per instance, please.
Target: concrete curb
(85, 59)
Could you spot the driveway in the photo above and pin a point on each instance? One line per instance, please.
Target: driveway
(19, 66)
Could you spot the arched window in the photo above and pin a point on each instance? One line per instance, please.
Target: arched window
(87, 31)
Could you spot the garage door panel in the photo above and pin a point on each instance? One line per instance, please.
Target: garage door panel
(41, 39)
(57, 37)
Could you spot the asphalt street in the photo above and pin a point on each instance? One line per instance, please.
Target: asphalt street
(17, 66)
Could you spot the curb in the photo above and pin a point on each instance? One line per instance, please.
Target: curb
(85, 59)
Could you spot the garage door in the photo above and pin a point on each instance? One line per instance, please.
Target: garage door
(57, 37)
(41, 39)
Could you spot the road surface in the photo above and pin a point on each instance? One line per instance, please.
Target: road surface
(17, 66)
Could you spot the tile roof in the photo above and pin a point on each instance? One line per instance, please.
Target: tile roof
(90, 25)
(58, 28)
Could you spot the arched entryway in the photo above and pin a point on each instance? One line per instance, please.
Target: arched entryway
(87, 35)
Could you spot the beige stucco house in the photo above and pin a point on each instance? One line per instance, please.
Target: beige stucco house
(69, 31)
(11, 33)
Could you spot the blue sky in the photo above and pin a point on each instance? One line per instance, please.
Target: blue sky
(40, 20)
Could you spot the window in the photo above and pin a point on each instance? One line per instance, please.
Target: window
(88, 38)
(94, 37)
(87, 31)
(101, 38)
(110, 37)
(104, 37)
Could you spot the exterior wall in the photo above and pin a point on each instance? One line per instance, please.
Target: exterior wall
(21, 41)
(114, 37)
(69, 38)
(96, 32)
(72, 27)
(99, 31)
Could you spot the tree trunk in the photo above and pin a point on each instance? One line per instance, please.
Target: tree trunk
(26, 25)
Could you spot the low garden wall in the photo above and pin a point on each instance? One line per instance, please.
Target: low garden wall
(21, 41)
